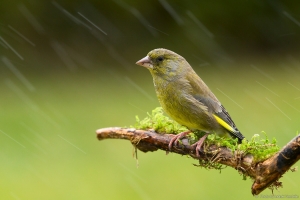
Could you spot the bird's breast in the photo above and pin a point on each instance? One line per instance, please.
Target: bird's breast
(178, 103)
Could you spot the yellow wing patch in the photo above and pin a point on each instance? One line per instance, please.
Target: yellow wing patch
(224, 124)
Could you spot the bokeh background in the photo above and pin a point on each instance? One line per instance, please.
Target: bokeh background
(68, 68)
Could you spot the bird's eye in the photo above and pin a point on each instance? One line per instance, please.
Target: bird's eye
(160, 58)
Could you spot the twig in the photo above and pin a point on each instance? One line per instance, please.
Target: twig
(264, 173)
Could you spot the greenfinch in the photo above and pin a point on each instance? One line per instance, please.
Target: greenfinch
(186, 98)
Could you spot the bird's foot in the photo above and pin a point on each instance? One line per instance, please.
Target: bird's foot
(176, 138)
(199, 144)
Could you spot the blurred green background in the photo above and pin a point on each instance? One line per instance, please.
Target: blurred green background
(68, 68)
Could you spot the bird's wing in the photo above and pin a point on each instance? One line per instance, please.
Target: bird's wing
(224, 119)
(208, 99)
(220, 114)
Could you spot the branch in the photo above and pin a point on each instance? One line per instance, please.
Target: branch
(264, 173)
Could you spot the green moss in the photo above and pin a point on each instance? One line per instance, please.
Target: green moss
(261, 149)
(156, 120)
(210, 165)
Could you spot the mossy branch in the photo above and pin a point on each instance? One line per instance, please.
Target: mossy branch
(261, 160)
(264, 173)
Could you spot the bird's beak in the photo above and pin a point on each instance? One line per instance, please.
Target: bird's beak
(145, 62)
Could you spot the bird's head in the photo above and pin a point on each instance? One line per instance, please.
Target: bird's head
(164, 63)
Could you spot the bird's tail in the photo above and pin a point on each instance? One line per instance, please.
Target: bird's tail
(237, 134)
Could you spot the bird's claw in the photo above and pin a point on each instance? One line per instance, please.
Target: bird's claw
(176, 138)
(199, 144)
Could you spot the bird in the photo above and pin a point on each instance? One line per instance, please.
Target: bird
(185, 97)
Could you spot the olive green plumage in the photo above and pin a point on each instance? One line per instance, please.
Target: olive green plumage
(185, 97)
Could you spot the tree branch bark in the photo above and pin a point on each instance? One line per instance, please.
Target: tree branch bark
(264, 173)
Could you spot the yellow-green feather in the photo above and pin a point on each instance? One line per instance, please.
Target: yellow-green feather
(224, 124)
